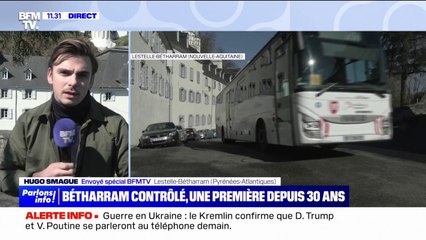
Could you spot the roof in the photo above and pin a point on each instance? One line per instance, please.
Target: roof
(113, 69)
(171, 42)
(38, 67)
(112, 72)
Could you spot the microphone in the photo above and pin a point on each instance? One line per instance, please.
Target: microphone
(65, 135)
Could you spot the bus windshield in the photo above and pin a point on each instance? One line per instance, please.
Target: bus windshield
(340, 61)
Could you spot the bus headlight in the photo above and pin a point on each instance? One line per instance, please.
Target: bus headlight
(311, 127)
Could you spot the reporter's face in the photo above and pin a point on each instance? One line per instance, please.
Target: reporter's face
(71, 80)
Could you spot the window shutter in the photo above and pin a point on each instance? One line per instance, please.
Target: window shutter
(10, 114)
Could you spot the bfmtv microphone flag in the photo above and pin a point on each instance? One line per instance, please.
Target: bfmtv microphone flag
(65, 135)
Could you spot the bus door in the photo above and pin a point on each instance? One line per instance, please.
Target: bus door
(282, 93)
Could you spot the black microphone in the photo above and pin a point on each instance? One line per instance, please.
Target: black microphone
(65, 135)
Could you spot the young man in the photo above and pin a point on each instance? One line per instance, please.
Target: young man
(102, 147)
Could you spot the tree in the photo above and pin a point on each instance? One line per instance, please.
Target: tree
(406, 56)
(208, 45)
(22, 45)
(227, 64)
(208, 42)
(122, 41)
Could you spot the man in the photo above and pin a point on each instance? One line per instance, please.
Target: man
(102, 149)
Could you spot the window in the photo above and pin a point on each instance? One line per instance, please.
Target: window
(198, 77)
(191, 96)
(152, 43)
(166, 90)
(266, 86)
(28, 74)
(108, 97)
(161, 91)
(191, 74)
(206, 82)
(206, 99)
(6, 113)
(182, 70)
(154, 81)
(170, 90)
(198, 97)
(29, 94)
(133, 72)
(182, 95)
(190, 120)
(203, 120)
(4, 73)
(143, 77)
(213, 100)
(6, 93)
(219, 86)
(197, 120)
(214, 84)
(209, 119)
(266, 58)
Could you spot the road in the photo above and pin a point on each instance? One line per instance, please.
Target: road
(377, 177)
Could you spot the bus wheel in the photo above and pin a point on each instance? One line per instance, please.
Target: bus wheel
(261, 139)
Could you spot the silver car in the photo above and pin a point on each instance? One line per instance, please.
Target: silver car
(160, 134)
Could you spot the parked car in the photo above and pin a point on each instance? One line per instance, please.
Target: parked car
(191, 134)
(214, 133)
(205, 134)
(181, 132)
(160, 134)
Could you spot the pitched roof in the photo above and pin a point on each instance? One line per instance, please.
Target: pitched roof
(113, 69)
(112, 72)
(16, 79)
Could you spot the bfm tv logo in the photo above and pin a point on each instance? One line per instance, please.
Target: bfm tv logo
(29, 19)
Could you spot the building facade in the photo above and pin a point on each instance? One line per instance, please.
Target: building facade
(150, 85)
(190, 86)
(25, 86)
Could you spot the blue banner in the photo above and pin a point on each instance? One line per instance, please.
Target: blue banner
(184, 196)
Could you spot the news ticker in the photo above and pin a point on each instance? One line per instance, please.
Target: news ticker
(175, 192)
(30, 19)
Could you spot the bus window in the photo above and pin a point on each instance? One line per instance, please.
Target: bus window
(282, 85)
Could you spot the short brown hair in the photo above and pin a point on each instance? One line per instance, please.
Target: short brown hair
(72, 47)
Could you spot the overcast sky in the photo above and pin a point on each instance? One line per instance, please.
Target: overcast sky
(243, 42)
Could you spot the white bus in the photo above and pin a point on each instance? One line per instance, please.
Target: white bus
(309, 88)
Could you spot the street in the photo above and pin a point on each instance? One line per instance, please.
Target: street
(377, 177)
(379, 174)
